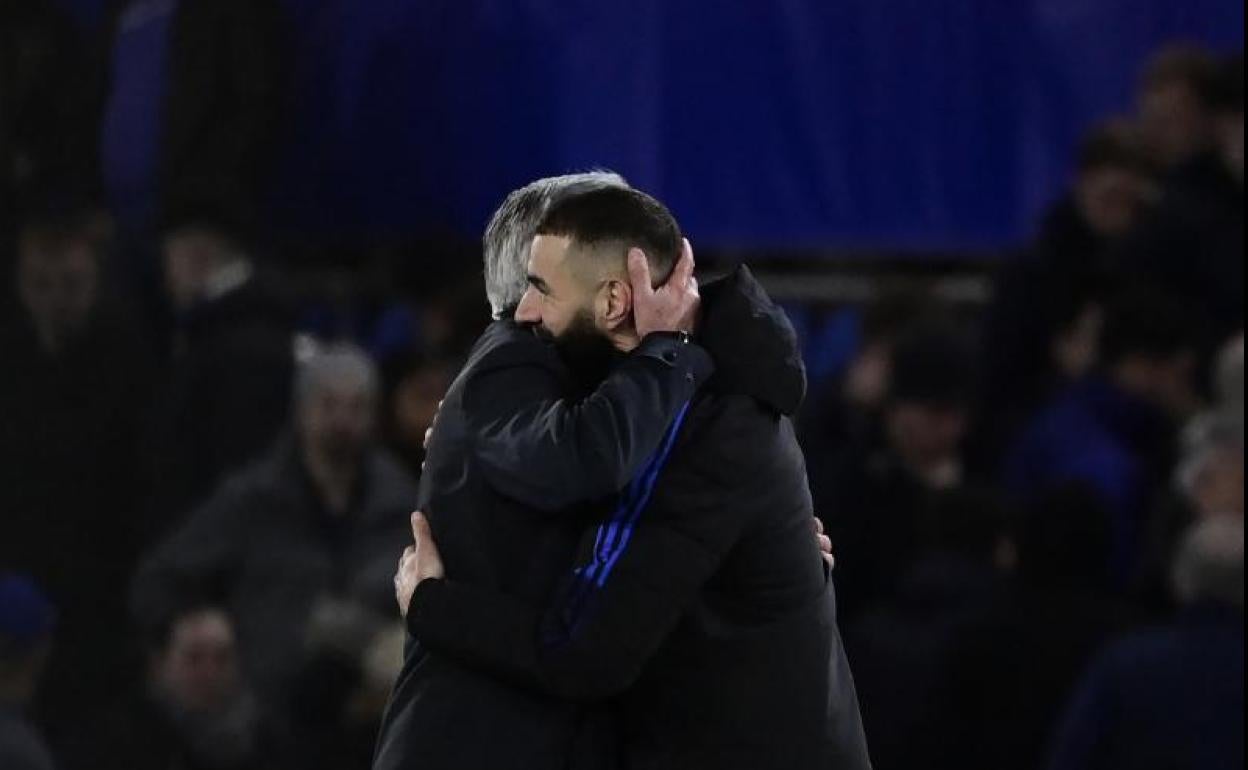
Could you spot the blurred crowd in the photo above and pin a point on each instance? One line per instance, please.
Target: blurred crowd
(210, 439)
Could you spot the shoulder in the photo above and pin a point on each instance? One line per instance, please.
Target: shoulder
(504, 345)
(736, 438)
(509, 360)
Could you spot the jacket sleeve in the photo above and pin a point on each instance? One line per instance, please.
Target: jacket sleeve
(637, 573)
(549, 453)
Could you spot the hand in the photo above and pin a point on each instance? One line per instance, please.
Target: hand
(825, 544)
(673, 307)
(419, 562)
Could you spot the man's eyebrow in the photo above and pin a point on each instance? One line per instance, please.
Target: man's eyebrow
(537, 283)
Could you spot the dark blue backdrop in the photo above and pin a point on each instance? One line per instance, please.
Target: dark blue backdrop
(929, 124)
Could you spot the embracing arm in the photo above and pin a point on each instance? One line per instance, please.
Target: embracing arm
(548, 452)
(637, 574)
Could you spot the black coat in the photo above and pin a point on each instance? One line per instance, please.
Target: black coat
(701, 605)
(508, 475)
(225, 400)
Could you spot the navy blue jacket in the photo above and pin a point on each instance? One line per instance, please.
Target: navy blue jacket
(1166, 699)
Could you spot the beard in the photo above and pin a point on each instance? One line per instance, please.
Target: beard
(585, 350)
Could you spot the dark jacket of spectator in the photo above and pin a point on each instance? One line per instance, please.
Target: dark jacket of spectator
(700, 605)
(218, 64)
(869, 503)
(1015, 677)
(508, 453)
(69, 468)
(137, 734)
(1038, 295)
(1165, 699)
(226, 398)
(265, 545)
(1192, 246)
(1097, 434)
(20, 746)
(904, 653)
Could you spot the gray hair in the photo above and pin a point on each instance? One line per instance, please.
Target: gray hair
(336, 363)
(511, 230)
(1210, 562)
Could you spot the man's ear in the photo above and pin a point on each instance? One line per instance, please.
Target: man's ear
(615, 305)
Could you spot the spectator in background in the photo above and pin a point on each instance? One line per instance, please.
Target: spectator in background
(320, 516)
(1016, 676)
(190, 105)
(848, 407)
(355, 655)
(1171, 698)
(1115, 429)
(26, 622)
(414, 386)
(1042, 327)
(228, 388)
(1192, 246)
(194, 710)
(871, 497)
(1209, 482)
(904, 649)
(75, 385)
(1174, 105)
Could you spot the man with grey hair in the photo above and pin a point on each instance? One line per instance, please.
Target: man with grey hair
(525, 456)
(511, 231)
(1172, 697)
(312, 521)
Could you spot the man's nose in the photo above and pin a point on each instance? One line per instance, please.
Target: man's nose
(529, 310)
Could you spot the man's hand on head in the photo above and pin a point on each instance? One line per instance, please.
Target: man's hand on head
(673, 307)
(419, 562)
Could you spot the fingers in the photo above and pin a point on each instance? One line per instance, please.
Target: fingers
(818, 526)
(830, 560)
(420, 528)
(639, 272)
(825, 543)
(683, 270)
(428, 435)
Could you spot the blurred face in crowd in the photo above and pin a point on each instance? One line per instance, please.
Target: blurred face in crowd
(926, 435)
(1109, 198)
(1175, 123)
(1074, 349)
(1218, 488)
(191, 256)
(572, 303)
(336, 419)
(58, 279)
(198, 670)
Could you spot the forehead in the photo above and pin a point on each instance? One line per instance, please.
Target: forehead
(549, 254)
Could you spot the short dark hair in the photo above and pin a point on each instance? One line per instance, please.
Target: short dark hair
(1114, 144)
(1190, 65)
(1145, 322)
(618, 214)
(934, 364)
